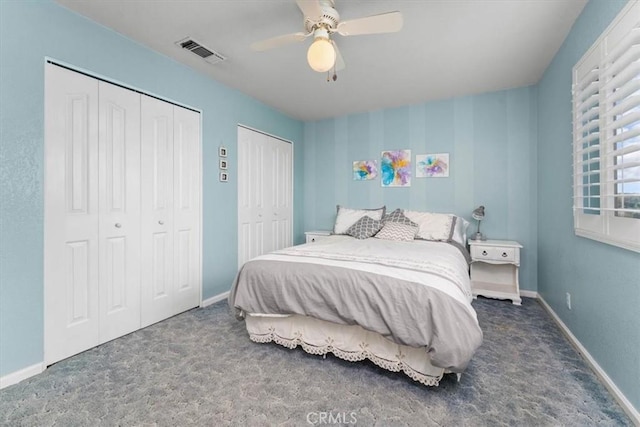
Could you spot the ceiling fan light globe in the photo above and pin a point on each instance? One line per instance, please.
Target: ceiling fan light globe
(321, 55)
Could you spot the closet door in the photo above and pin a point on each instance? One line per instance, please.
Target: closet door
(264, 194)
(71, 246)
(186, 196)
(157, 223)
(253, 239)
(119, 207)
(281, 178)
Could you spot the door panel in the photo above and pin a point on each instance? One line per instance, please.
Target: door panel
(71, 213)
(186, 184)
(119, 165)
(157, 210)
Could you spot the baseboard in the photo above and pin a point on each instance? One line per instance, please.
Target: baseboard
(609, 384)
(22, 374)
(214, 299)
(528, 294)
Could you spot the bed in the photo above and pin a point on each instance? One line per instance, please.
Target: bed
(403, 304)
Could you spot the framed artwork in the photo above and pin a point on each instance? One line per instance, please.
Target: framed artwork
(223, 164)
(365, 170)
(224, 177)
(395, 168)
(222, 151)
(432, 165)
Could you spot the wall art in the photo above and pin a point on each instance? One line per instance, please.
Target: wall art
(364, 170)
(395, 168)
(432, 165)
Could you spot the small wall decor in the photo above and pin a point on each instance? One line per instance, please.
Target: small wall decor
(223, 164)
(432, 165)
(222, 151)
(364, 170)
(224, 177)
(395, 168)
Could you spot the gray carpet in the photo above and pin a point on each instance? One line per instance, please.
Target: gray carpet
(199, 368)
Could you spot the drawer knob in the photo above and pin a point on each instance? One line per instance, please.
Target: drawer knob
(484, 253)
(313, 239)
(504, 254)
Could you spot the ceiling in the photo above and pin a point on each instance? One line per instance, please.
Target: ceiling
(446, 48)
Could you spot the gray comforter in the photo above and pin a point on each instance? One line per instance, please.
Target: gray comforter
(408, 299)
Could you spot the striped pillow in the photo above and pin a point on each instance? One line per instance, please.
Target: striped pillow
(397, 231)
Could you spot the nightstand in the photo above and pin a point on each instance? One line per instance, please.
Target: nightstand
(315, 236)
(494, 269)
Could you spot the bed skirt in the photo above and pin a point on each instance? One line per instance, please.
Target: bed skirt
(348, 342)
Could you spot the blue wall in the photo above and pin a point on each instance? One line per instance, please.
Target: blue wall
(491, 141)
(31, 30)
(604, 281)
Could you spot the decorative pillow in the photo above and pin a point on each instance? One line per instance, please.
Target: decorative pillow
(432, 226)
(399, 217)
(346, 217)
(397, 231)
(365, 227)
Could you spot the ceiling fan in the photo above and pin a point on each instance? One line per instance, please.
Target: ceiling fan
(321, 20)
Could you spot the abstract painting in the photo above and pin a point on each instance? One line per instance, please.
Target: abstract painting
(432, 165)
(364, 170)
(395, 168)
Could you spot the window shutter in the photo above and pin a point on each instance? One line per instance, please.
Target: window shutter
(621, 94)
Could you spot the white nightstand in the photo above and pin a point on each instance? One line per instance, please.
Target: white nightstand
(315, 236)
(494, 269)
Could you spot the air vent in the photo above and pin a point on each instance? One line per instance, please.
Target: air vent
(195, 47)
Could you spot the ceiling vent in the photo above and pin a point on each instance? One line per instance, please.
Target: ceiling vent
(196, 48)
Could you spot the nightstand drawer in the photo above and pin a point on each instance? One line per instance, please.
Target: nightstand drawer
(493, 253)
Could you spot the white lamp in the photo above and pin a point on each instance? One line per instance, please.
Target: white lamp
(478, 215)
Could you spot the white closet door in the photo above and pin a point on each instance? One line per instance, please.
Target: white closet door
(252, 232)
(157, 221)
(281, 194)
(119, 178)
(264, 194)
(186, 189)
(71, 213)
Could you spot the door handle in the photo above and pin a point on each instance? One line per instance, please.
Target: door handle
(161, 222)
(118, 225)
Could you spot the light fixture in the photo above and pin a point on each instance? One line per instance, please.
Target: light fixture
(321, 55)
(478, 215)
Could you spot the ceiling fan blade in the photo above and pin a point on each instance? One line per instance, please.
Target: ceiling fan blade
(310, 9)
(389, 22)
(278, 41)
(339, 59)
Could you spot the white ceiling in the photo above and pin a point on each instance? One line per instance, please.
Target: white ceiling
(447, 48)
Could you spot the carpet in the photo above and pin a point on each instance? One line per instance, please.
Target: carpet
(200, 368)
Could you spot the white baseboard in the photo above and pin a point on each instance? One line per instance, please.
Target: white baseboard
(528, 294)
(214, 299)
(22, 374)
(609, 384)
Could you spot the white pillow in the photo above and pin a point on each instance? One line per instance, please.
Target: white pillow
(397, 231)
(460, 231)
(432, 226)
(346, 217)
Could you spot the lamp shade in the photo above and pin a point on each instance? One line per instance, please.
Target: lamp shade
(478, 213)
(321, 55)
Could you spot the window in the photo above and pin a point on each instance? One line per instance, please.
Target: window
(606, 135)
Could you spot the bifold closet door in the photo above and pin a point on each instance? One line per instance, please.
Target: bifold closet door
(92, 184)
(170, 210)
(264, 194)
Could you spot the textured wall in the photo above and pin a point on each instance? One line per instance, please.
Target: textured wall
(491, 141)
(31, 30)
(604, 281)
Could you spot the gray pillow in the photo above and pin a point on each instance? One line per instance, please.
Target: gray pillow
(399, 217)
(365, 227)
